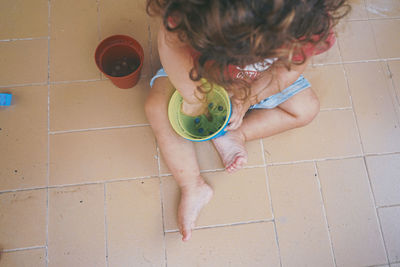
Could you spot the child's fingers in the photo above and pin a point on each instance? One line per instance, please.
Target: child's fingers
(234, 124)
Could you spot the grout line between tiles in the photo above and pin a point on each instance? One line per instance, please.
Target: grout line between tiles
(22, 249)
(388, 206)
(393, 93)
(48, 130)
(163, 219)
(297, 162)
(22, 85)
(105, 222)
(325, 64)
(376, 209)
(80, 184)
(374, 38)
(352, 105)
(355, 61)
(75, 81)
(47, 224)
(385, 18)
(22, 189)
(392, 59)
(312, 160)
(99, 129)
(364, 159)
(99, 30)
(98, 21)
(222, 225)
(324, 212)
(203, 171)
(24, 39)
(378, 265)
(105, 181)
(244, 168)
(381, 154)
(270, 201)
(335, 109)
(161, 201)
(374, 19)
(370, 60)
(150, 45)
(393, 84)
(218, 170)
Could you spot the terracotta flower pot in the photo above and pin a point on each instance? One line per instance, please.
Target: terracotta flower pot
(120, 58)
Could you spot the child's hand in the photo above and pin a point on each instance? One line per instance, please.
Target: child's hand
(194, 109)
(239, 109)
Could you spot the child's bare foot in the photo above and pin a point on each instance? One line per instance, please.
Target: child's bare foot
(232, 150)
(193, 199)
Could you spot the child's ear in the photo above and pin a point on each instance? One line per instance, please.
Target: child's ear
(172, 39)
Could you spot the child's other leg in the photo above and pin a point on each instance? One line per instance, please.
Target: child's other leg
(180, 157)
(296, 112)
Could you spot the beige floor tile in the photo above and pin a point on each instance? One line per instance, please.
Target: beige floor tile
(23, 19)
(134, 223)
(23, 219)
(358, 10)
(23, 139)
(330, 56)
(102, 155)
(95, 105)
(209, 159)
(385, 179)
(375, 109)
(241, 245)
(395, 265)
(329, 83)
(356, 41)
(234, 194)
(300, 222)
(130, 18)
(385, 30)
(394, 67)
(23, 62)
(24, 258)
(74, 38)
(390, 218)
(383, 8)
(351, 214)
(331, 134)
(76, 226)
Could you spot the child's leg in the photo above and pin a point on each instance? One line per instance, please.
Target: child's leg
(296, 112)
(179, 155)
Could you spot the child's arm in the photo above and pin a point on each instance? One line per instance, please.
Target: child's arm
(177, 62)
(272, 81)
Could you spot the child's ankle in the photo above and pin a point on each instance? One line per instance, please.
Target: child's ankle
(193, 185)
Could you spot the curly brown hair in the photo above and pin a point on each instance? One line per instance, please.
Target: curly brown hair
(244, 32)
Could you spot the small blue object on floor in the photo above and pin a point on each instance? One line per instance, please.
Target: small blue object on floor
(5, 99)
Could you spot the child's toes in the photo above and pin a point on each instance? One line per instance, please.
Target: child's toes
(186, 234)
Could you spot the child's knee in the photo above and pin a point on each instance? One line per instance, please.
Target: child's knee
(152, 106)
(309, 112)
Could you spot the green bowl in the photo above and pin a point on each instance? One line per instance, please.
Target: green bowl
(201, 128)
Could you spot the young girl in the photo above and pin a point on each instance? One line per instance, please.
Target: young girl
(257, 50)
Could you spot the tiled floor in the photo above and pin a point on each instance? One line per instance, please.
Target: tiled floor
(82, 182)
